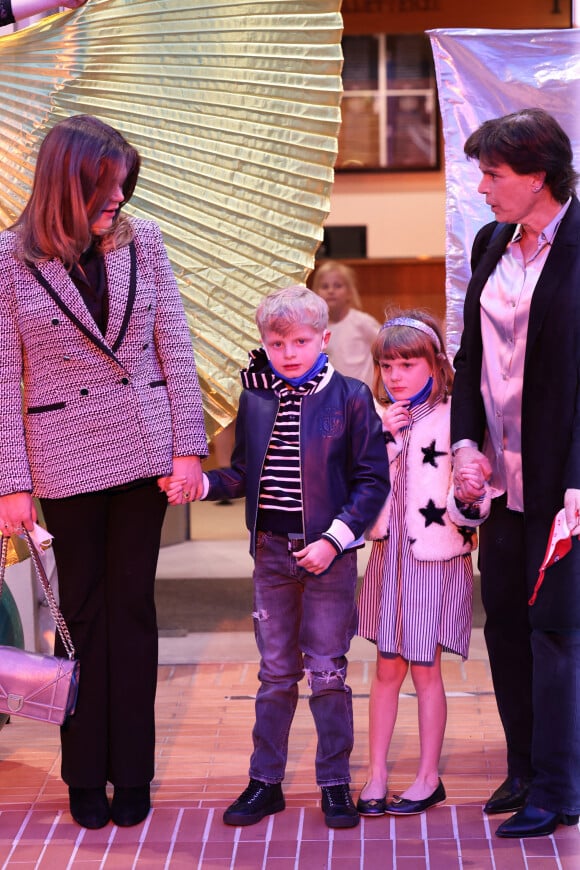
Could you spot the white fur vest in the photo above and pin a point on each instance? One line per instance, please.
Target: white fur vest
(436, 526)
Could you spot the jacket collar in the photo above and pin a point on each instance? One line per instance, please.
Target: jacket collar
(556, 268)
(259, 376)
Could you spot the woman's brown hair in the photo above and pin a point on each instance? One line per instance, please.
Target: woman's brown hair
(77, 165)
(401, 340)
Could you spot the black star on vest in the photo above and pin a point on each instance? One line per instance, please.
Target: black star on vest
(469, 511)
(430, 454)
(466, 533)
(432, 514)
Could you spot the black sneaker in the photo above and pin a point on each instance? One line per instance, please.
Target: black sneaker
(258, 800)
(338, 806)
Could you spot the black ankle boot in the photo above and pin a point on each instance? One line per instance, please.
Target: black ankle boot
(130, 805)
(89, 807)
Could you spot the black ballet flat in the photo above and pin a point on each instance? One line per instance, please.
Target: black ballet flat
(372, 806)
(399, 806)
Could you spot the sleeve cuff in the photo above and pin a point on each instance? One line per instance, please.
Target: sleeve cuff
(471, 515)
(464, 442)
(339, 535)
(205, 490)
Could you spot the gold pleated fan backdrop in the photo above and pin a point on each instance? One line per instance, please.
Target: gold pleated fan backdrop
(235, 109)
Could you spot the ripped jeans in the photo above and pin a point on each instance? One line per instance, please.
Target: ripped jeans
(303, 624)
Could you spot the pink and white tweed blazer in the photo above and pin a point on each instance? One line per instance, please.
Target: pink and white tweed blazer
(80, 411)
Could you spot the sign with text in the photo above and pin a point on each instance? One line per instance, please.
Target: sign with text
(414, 16)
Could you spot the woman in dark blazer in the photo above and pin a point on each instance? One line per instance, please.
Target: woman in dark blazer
(516, 408)
(92, 329)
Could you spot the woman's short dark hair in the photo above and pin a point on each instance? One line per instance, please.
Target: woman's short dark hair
(529, 140)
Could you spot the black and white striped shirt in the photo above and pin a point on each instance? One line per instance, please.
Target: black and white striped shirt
(280, 500)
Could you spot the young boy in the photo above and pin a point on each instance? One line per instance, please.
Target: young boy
(310, 459)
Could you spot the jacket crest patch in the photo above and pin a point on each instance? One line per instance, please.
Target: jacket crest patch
(331, 423)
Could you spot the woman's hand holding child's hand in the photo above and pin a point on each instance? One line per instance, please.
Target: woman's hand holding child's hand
(471, 469)
(173, 488)
(185, 484)
(472, 475)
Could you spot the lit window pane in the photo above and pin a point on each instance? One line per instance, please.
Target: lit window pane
(411, 141)
(389, 115)
(409, 62)
(358, 141)
(361, 63)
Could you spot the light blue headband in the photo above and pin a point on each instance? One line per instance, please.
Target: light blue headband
(415, 324)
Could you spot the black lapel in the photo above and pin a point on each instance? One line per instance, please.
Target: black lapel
(70, 314)
(486, 256)
(556, 269)
(496, 245)
(130, 298)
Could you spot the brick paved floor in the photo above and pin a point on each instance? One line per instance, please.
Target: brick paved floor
(205, 715)
(204, 720)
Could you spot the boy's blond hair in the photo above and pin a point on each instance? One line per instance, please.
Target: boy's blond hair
(292, 306)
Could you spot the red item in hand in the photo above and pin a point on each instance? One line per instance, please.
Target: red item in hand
(559, 543)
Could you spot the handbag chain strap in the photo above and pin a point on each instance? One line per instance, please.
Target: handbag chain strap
(60, 623)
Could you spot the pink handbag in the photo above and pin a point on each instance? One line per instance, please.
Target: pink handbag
(34, 685)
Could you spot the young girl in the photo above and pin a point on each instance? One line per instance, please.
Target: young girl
(352, 331)
(416, 598)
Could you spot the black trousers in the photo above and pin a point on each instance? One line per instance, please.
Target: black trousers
(536, 674)
(106, 546)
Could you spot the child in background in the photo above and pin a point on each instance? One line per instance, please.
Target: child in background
(309, 457)
(352, 331)
(416, 598)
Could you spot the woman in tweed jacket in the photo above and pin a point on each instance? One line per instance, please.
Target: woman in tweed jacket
(99, 403)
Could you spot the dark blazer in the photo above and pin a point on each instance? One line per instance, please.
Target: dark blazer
(98, 410)
(550, 403)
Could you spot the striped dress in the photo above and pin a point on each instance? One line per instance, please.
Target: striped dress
(406, 606)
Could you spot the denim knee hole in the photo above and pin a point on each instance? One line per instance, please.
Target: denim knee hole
(261, 615)
(325, 676)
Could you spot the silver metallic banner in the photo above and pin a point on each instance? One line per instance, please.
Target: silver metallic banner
(484, 74)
